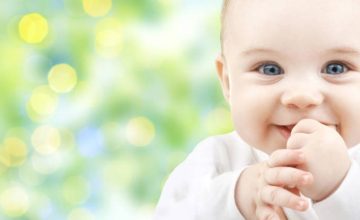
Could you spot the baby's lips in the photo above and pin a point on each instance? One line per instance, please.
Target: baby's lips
(331, 126)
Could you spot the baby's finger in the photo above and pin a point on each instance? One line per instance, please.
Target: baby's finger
(286, 157)
(306, 126)
(266, 212)
(280, 212)
(287, 176)
(278, 196)
(297, 140)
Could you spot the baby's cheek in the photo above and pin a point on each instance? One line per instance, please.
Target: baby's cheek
(351, 138)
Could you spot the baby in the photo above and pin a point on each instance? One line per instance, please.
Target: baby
(290, 71)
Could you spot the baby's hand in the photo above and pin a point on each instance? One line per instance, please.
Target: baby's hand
(264, 188)
(326, 156)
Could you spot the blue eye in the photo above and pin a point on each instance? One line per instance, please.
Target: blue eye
(270, 69)
(336, 68)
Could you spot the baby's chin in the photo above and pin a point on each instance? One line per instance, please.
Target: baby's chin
(268, 145)
(269, 149)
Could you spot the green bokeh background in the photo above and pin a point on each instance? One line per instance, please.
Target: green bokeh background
(161, 67)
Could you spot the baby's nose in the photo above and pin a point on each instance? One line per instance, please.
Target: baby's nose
(302, 97)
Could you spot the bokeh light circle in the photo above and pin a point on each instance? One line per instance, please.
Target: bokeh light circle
(97, 8)
(14, 201)
(46, 139)
(43, 101)
(62, 78)
(13, 152)
(140, 131)
(46, 164)
(33, 28)
(109, 37)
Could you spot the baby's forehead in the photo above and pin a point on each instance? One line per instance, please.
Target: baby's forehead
(320, 23)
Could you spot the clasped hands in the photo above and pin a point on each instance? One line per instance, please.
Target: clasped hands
(314, 163)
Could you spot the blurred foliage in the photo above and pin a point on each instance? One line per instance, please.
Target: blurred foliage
(100, 100)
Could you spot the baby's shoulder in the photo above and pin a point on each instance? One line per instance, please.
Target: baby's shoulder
(222, 149)
(221, 142)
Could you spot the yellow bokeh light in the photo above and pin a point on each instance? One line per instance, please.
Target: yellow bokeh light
(46, 140)
(33, 28)
(13, 152)
(140, 131)
(81, 213)
(33, 114)
(97, 8)
(62, 78)
(109, 37)
(43, 101)
(14, 201)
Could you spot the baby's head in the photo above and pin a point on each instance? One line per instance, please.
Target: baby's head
(283, 61)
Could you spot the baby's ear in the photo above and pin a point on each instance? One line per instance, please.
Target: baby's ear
(223, 76)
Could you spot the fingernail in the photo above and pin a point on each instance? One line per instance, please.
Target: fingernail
(300, 205)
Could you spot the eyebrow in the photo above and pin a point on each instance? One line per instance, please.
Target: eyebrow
(344, 50)
(252, 51)
(336, 50)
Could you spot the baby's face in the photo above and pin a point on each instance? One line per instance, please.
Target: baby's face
(289, 60)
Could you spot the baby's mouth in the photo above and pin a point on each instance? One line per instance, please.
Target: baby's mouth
(289, 127)
(285, 130)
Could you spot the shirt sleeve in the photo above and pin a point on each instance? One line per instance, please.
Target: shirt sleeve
(344, 202)
(200, 188)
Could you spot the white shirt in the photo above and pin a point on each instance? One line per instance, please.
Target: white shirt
(202, 186)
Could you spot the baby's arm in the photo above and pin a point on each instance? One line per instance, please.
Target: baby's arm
(264, 188)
